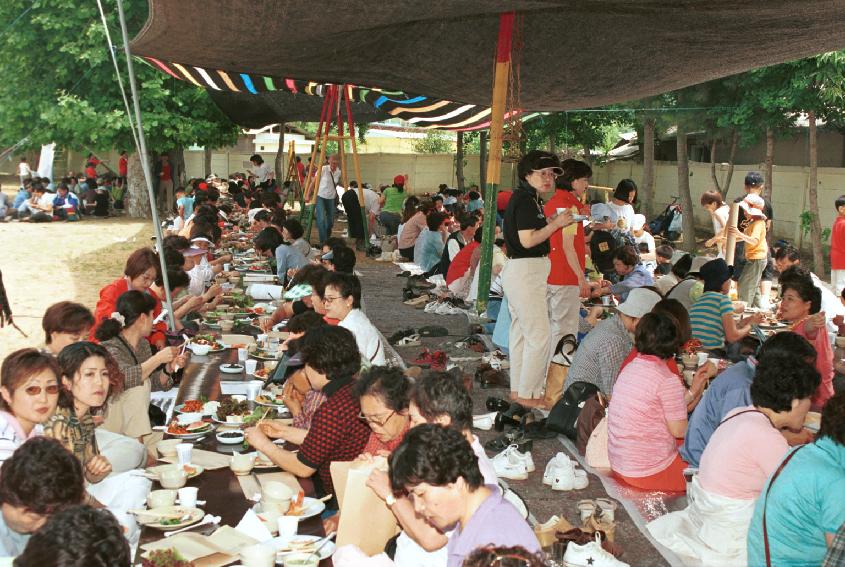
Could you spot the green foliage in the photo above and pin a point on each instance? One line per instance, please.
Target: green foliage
(57, 83)
(598, 129)
(805, 224)
(434, 143)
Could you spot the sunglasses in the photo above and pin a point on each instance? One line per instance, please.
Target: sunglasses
(52, 389)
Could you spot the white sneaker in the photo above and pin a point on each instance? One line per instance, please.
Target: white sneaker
(590, 555)
(512, 464)
(497, 359)
(581, 480)
(432, 307)
(558, 461)
(484, 421)
(564, 479)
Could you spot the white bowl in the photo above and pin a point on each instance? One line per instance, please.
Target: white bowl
(200, 350)
(167, 447)
(189, 418)
(230, 438)
(173, 478)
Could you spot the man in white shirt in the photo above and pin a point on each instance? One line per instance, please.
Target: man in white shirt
(24, 171)
(39, 206)
(326, 198)
(261, 172)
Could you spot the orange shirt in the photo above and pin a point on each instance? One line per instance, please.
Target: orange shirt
(561, 273)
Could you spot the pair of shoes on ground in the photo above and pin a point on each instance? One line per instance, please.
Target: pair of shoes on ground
(513, 464)
(497, 359)
(418, 302)
(562, 474)
(436, 360)
(488, 377)
(473, 343)
(443, 308)
(589, 553)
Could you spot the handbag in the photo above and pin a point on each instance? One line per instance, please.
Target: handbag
(563, 416)
(592, 413)
(559, 369)
(596, 454)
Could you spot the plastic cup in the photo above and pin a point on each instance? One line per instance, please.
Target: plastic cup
(188, 496)
(288, 526)
(183, 453)
(261, 340)
(227, 267)
(273, 344)
(242, 355)
(258, 555)
(253, 387)
(251, 366)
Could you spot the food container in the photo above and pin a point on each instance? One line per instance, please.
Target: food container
(301, 560)
(161, 498)
(242, 463)
(188, 418)
(200, 350)
(232, 437)
(173, 478)
(226, 325)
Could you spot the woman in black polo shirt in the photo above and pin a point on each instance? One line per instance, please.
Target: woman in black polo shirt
(527, 233)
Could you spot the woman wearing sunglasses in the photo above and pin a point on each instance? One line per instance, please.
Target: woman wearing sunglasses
(29, 391)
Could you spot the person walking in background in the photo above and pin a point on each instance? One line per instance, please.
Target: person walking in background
(165, 184)
(837, 248)
(122, 168)
(326, 195)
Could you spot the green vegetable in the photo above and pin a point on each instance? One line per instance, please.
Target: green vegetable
(170, 522)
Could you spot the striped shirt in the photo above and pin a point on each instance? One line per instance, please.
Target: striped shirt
(706, 318)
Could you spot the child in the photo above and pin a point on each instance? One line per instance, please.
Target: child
(602, 242)
(837, 248)
(663, 254)
(184, 205)
(645, 243)
(753, 233)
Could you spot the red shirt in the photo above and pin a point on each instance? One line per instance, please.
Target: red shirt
(122, 166)
(837, 244)
(160, 328)
(375, 445)
(91, 171)
(300, 170)
(502, 199)
(108, 300)
(561, 273)
(165, 172)
(460, 263)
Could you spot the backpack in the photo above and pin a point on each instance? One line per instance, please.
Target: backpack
(563, 418)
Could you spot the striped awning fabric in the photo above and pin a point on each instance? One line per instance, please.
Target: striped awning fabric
(420, 111)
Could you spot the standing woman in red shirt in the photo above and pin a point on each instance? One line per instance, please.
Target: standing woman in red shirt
(122, 168)
(837, 248)
(141, 271)
(165, 184)
(567, 283)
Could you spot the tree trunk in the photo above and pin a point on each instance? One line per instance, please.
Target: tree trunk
(588, 158)
(552, 144)
(647, 188)
(714, 144)
(176, 157)
(482, 160)
(683, 188)
(731, 159)
(459, 162)
(812, 190)
(280, 156)
(770, 160)
(137, 201)
(206, 159)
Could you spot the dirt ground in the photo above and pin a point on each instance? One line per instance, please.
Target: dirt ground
(45, 263)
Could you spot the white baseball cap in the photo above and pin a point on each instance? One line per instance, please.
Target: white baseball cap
(639, 222)
(640, 301)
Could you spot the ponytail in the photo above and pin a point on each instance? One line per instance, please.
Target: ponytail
(130, 305)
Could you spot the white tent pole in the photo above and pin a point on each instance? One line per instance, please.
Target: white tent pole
(145, 164)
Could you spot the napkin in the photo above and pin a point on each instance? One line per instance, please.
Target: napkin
(250, 525)
(208, 460)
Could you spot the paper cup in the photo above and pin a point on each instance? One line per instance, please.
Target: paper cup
(288, 526)
(251, 366)
(226, 267)
(258, 555)
(252, 389)
(188, 496)
(183, 453)
(242, 355)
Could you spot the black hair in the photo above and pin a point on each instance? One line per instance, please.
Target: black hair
(532, 159)
(343, 259)
(213, 194)
(173, 259)
(682, 267)
(657, 334)
(781, 378)
(434, 455)
(71, 359)
(200, 199)
(437, 198)
(66, 317)
(467, 220)
(277, 218)
(42, 477)
(805, 288)
(410, 208)
(270, 200)
(257, 159)
(434, 220)
(787, 343)
(840, 202)
(207, 212)
(833, 420)
(131, 305)
(346, 285)
(179, 243)
(479, 234)
(294, 227)
(309, 274)
(438, 394)
(504, 556)
(305, 321)
(176, 277)
(623, 190)
(262, 216)
(334, 241)
(627, 255)
(473, 195)
(331, 351)
(78, 535)
(574, 169)
(677, 310)
(788, 252)
(389, 384)
(268, 239)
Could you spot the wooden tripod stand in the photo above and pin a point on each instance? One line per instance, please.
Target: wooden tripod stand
(292, 176)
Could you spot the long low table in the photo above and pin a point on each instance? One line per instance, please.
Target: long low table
(220, 488)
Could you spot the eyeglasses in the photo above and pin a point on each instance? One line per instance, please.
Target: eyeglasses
(52, 390)
(374, 420)
(329, 298)
(551, 173)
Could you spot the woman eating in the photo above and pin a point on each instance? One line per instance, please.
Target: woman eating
(527, 233)
(383, 393)
(626, 263)
(89, 377)
(141, 270)
(647, 415)
(743, 452)
(65, 323)
(342, 300)
(124, 335)
(29, 391)
(270, 243)
(292, 232)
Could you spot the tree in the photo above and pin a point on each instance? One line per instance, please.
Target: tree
(435, 142)
(71, 97)
(459, 162)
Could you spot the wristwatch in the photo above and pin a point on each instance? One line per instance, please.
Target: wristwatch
(390, 500)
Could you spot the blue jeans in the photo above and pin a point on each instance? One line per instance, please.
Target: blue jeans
(324, 212)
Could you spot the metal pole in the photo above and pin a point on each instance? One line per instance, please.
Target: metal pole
(145, 164)
(494, 157)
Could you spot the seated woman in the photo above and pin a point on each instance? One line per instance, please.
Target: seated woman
(331, 360)
(141, 270)
(633, 274)
(383, 393)
(743, 452)
(462, 267)
(124, 335)
(414, 214)
(342, 299)
(89, 377)
(438, 468)
(178, 281)
(801, 304)
(711, 316)
(804, 503)
(269, 243)
(292, 232)
(65, 323)
(430, 243)
(29, 392)
(647, 415)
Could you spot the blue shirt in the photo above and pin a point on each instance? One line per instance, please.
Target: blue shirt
(730, 389)
(288, 257)
(428, 249)
(705, 318)
(12, 543)
(475, 205)
(22, 196)
(807, 501)
(638, 277)
(187, 203)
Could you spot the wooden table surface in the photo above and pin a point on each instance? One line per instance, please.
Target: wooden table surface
(220, 488)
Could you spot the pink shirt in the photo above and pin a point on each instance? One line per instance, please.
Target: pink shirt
(741, 455)
(824, 364)
(646, 396)
(412, 230)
